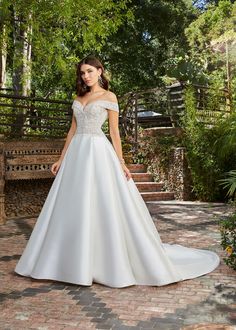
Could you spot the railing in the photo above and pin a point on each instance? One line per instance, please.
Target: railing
(31, 116)
(212, 104)
(166, 105)
(149, 108)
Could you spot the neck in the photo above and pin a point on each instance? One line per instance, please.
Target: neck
(95, 89)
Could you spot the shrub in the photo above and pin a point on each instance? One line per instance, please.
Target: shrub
(210, 149)
(198, 140)
(230, 183)
(228, 239)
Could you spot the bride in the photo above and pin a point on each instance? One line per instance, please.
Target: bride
(94, 225)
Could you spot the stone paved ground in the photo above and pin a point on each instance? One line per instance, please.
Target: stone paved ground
(208, 302)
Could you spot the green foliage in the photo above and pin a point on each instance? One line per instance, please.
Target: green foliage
(137, 52)
(228, 239)
(209, 152)
(226, 140)
(124, 34)
(198, 142)
(62, 32)
(211, 24)
(226, 146)
(204, 59)
(230, 183)
(187, 69)
(203, 4)
(156, 149)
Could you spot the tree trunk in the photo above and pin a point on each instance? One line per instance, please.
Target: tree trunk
(26, 69)
(21, 67)
(3, 57)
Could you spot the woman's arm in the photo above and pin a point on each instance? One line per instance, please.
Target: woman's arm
(114, 133)
(69, 136)
(113, 118)
(55, 167)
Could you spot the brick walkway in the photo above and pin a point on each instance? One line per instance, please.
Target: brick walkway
(208, 302)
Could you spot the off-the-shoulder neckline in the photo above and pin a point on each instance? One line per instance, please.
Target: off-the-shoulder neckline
(95, 101)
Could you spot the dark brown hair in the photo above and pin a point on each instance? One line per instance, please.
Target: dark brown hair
(81, 87)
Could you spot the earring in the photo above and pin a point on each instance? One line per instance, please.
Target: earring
(100, 81)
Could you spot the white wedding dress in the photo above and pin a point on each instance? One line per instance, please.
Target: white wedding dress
(94, 225)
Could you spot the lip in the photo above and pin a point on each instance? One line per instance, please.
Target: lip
(87, 81)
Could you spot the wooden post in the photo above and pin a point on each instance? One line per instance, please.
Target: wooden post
(2, 184)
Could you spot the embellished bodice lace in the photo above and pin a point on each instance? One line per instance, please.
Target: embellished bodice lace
(91, 117)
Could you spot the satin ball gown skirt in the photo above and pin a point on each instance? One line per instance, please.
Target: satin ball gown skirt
(95, 227)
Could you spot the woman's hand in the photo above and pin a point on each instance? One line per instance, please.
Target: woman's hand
(55, 167)
(126, 171)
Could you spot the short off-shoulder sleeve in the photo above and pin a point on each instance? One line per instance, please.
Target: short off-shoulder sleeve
(73, 104)
(112, 106)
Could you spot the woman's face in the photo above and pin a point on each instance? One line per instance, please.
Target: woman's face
(90, 74)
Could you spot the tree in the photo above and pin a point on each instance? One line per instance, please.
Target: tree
(205, 60)
(212, 27)
(57, 33)
(137, 52)
(3, 57)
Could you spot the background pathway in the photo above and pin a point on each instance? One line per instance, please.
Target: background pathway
(208, 302)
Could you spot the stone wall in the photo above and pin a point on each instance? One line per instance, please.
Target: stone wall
(24, 198)
(178, 178)
(175, 174)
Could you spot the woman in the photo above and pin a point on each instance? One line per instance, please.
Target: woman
(94, 225)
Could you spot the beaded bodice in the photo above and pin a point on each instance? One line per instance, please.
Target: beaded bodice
(90, 118)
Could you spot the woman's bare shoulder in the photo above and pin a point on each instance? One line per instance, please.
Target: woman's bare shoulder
(111, 96)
